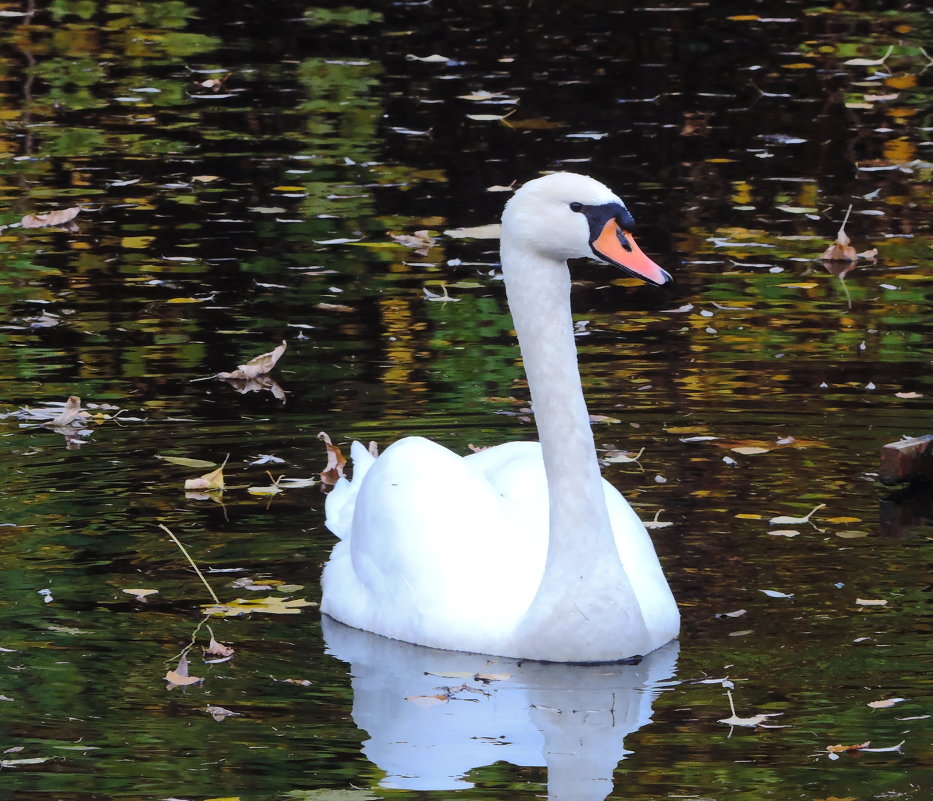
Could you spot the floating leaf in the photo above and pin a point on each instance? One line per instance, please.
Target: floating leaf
(869, 62)
(140, 594)
(736, 613)
(218, 713)
(795, 520)
(490, 231)
(434, 58)
(209, 481)
(754, 720)
(885, 703)
(271, 489)
(428, 700)
(748, 450)
(179, 676)
(58, 217)
(839, 749)
(12, 763)
(294, 483)
(841, 249)
(621, 457)
(488, 677)
(335, 460)
(215, 648)
(420, 241)
(784, 532)
(71, 411)
(258, 366)
(871, 602)
(269, 606)
(442, 298)
(777, 594)
(185, 462)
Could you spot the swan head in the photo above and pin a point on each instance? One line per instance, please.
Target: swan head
(567, 216)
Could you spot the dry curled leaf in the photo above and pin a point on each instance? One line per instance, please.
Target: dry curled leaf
(57, 217)
(209, 481)
(215, 648)
(179, 676)
(335, 460)
(71, 411)
(258, 366)
(841, 249)
(419, 241)
(839, 749)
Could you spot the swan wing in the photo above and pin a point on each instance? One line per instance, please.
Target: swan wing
(439, 551)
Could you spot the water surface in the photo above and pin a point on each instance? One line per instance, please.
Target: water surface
(241, 171)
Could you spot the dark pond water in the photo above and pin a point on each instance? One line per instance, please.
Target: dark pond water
(222, 155)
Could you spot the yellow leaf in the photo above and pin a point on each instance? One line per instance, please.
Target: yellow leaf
(744, 516)
(843, 520)
(805, 285)
(185, 462)
(209, 481)
(136, 242)
(269, 605)
(749, 449)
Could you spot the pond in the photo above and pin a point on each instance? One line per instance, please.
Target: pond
(247, 175)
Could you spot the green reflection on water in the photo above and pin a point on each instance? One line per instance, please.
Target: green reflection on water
(200, 246)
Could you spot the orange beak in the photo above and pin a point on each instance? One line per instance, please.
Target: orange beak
(618, 247)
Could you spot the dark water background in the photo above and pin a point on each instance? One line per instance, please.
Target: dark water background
(738, 135)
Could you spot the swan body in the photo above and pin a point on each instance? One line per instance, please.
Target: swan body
(522, 550)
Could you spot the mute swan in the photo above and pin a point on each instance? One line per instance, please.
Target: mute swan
(522, 550)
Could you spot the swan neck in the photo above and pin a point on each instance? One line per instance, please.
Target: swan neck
(539, 296)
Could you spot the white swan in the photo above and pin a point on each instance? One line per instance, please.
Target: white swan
(521, 550)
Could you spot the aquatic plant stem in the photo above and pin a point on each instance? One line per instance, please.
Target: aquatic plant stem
(191, 562)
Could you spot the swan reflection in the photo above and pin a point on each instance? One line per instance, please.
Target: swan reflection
(430, 721)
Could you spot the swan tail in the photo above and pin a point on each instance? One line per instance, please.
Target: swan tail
(341, 500)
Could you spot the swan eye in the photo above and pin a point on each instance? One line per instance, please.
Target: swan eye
(576, 206)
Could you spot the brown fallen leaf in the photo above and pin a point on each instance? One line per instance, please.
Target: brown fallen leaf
(840, 749)
(179, 676)
(209, 481)
(57, 217)
(428, 700)
(70, 412)
(335, 461)
(420, 241)
(215, 648)
(258, 366)
(841, 249)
